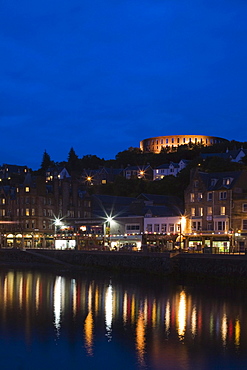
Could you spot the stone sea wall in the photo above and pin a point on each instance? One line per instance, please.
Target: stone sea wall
(182, 266)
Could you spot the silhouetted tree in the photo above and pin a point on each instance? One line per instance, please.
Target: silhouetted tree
(46, 161)
(73, 161)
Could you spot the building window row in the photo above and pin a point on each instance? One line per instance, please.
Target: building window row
(163, 228)
(199, 196)
(132, 227)
(200, 211)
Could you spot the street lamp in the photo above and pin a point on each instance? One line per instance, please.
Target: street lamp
(57, 223)
(107, 228)
(182, 228)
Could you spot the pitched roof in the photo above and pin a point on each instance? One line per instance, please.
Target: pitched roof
(218, 180)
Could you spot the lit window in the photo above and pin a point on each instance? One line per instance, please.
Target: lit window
(200, 210)
(192, 197)
(209, 211)
(3, 200)
(222, 211)
(27, 211)
(33, 212)
(200, 196)
(27, 189)
(226, 181)
(193, 211)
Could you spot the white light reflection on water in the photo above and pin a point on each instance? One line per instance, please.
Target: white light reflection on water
(58, 304)
(37, 297)
(74, 296)
(193, 321)
(224, 329)
(109, 312)
(125, 307)
(167, 318)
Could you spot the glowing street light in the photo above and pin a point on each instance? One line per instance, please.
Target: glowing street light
(57, 222)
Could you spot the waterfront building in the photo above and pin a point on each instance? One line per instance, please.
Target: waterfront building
(32, 211)
(216, 205)
(120, 221)
(156, 144)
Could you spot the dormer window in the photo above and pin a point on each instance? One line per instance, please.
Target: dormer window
(27, 189)
(213, 182)
(227, 181)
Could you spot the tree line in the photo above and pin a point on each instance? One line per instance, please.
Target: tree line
(169, 185)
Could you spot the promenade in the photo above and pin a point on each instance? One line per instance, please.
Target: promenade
(221, 267)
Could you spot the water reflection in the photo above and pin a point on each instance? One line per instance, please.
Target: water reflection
(155, 328)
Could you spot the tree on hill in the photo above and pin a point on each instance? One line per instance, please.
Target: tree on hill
(73, 160)
(218, 164)
(91, 161)
(46, 161)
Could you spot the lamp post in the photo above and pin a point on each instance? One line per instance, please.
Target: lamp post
(107, 228)
(182, 228)
(57, 223)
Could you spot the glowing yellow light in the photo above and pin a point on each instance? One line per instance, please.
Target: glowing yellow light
(182, 315)
(140, 338)
(237, 333)
(88, 333)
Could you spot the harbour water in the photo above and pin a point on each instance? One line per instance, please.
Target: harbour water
(90, 321)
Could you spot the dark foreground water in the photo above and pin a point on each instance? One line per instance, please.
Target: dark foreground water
(51, 321)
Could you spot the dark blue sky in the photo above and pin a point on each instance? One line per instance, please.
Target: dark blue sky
(100, 76)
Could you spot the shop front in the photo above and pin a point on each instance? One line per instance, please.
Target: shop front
(209, 243)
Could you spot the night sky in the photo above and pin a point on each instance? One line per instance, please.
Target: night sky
(100, 76)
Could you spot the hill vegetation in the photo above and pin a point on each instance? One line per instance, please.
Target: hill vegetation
(170, 185)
